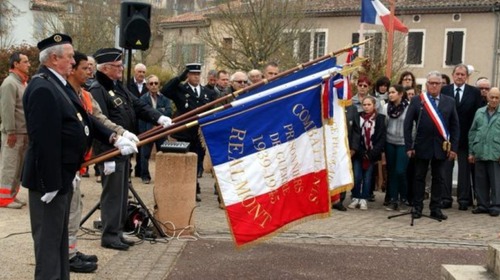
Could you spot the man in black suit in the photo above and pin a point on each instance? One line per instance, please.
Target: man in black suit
(60, 132)
(467, 101)
(137, 86)
(430, 112)
(189, 96)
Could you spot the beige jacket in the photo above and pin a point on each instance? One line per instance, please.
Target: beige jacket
(11, 105)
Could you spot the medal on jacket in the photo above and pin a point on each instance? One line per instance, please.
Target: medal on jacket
(111, 93)
(446, 146)
(87, 130)
(79, 116)
(187, 97)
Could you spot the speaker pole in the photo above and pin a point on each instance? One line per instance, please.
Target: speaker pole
(129, 65)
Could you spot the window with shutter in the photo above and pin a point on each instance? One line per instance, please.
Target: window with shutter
(415, 46)
(454, 47)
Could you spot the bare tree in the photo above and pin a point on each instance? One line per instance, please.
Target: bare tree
(248, 34)
(7, 13)
(91, 23)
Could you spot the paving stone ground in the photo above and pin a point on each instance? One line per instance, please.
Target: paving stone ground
(356, 235)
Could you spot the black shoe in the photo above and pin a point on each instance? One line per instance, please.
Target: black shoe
(437, 214)
(87, 258)
(416, 215)
(117, 245)
(85, 175)
(494, 213)
(127, 242)
(198, 197)
(79, 266)
(480, 211)
(446, 204)
(463, 207)
(339, 206)
(372, 198)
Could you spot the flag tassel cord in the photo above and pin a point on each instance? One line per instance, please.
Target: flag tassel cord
(190, 119)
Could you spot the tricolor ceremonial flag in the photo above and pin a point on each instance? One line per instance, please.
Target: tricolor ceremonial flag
(374, 12)
(269, 161)
(338, 156)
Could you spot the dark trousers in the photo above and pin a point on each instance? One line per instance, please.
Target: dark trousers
(464, 180)
(487, 180)
(437, 173)
(397, 161)
(114, 199)
(146, 155)
(49, 228)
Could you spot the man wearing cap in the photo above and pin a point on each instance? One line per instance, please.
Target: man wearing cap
(189, 96)
(122, 108)
(59, 132)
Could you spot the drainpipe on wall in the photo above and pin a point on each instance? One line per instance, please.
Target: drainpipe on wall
(496, 58)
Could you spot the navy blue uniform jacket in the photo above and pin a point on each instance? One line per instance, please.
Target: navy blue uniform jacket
(57, 138)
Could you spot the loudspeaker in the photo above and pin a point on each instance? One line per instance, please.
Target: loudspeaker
(135, 31)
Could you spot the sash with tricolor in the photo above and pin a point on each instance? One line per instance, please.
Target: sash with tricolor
(435, 115)
(269, 161)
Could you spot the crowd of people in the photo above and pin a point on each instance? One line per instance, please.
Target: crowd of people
(401, 132)
(76, 106)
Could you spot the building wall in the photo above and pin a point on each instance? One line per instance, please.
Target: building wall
(22, 31)
(479, 40)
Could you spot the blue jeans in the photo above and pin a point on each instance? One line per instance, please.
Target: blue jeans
(397, 161)
(362, 179)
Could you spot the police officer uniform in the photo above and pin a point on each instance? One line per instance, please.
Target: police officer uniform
(186, 99)
(60, 132)
(122, 108)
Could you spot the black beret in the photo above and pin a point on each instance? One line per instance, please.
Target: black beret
(194, 67)
(56, 39)
(107, 55)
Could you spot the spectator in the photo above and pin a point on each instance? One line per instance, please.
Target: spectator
(254, 76)
(484, 85)
(407, 79)
(270, 70)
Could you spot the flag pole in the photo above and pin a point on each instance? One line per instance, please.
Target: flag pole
(390, 44)
(188, 119)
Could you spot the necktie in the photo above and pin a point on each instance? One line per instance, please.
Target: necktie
(436, 101)
(195, 92)
(457, 96)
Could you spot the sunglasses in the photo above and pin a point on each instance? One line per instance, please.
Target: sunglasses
(154, 83)
(240, 82)
(363, 85)
(484, 88)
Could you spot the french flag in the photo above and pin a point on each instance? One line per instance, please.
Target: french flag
(374, 12)
(269, 161)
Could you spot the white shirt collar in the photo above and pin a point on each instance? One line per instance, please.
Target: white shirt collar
(59, 76)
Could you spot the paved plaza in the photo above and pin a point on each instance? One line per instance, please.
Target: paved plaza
(352, 245)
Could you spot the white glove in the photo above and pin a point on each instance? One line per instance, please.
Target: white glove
(47, 197)
(130, 136)
(125, 146)
(109, 167)
(76, 181)
(164, 121)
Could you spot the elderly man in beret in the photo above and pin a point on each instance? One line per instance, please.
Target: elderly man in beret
(60, 132)
(123, 108)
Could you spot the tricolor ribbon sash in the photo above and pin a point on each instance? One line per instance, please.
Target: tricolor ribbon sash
(437, 118)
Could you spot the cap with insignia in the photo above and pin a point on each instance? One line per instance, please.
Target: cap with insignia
(194, 67)
(56, 39)
(107, 55)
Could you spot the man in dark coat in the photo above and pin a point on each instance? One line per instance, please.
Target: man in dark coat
(467, 101)
(189, 96)
(122, 108)
(427, 112)
(60, 132)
